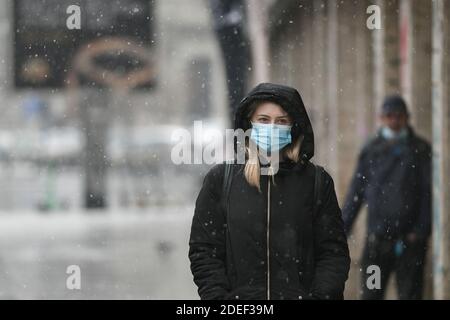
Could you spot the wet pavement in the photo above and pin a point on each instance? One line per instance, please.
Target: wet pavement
(121, 255)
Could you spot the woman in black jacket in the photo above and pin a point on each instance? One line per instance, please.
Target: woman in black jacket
(267, 238)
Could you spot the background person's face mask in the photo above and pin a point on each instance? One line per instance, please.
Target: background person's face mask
(390, 134)
(271, 137)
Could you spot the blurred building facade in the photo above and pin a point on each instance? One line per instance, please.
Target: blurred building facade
(42, 134)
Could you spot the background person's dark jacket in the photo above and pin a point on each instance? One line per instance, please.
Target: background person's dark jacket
(394, 179)
(308, 253)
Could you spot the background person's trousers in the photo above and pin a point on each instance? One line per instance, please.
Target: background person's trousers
(407, 263)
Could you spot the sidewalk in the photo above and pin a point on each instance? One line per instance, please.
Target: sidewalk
(122, 255)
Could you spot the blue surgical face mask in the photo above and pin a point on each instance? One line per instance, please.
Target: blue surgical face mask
(390, 134)
(271, 137)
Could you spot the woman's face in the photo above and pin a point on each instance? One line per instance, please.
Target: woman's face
(270, 113)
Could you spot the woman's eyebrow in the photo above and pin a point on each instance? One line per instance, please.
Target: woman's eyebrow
(286, 116)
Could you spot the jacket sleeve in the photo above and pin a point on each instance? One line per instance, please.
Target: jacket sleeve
(331, 254)
(355, 196)
(422, 226)
(207, 239)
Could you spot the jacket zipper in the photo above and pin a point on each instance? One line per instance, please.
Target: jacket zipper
(268, 238)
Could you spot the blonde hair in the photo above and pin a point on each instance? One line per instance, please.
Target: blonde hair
(252, 168)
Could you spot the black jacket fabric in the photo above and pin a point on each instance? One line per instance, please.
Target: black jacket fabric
(234, 253)
(394, 180)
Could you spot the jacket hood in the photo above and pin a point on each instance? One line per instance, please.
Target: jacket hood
(290, 100)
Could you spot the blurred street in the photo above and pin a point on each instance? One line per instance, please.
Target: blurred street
(122, 255)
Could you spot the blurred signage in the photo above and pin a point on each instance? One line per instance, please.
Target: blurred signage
(45, 47)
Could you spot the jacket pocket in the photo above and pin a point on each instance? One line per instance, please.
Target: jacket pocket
(247, 293)
(291, 293)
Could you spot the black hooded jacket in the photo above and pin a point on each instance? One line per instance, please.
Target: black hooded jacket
(270, 244)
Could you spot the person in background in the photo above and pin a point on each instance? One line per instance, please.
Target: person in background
(228, 17)
(393, 177)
